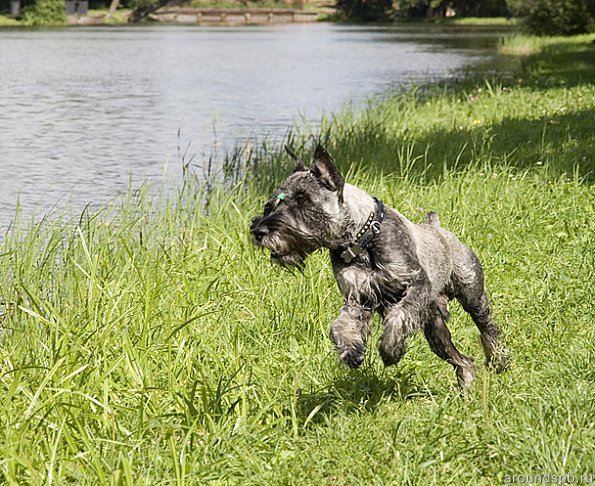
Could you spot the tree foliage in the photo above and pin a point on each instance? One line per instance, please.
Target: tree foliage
(45, 12)
(365, 10)
(463, 8)
(554, 17)
(377, 9)
(144, 8)
(480, 8)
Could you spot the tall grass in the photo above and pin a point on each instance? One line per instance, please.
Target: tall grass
(150, 343)
(524, 44)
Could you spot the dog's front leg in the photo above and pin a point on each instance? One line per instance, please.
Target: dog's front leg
(350, 331)
(403, 319)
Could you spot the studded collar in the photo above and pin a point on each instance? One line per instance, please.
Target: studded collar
(368, 231)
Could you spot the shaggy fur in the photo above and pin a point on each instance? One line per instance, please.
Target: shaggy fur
(407, 272)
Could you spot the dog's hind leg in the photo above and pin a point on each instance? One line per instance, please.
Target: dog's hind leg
(350, 332)
(470, 292)
(478, 307)
(440, 341)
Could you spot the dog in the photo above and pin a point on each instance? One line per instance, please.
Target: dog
(382, 262)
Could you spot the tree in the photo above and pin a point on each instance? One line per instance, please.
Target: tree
(45, 12)
(554, 17)
(112, 8)
(145, 8)
(462, 8)
(421, 8)
(480, 8)
(364, 10)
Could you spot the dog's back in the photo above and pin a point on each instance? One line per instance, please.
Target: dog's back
(432, 219)
(465, 268)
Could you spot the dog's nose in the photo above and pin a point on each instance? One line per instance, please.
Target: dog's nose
(259, 232)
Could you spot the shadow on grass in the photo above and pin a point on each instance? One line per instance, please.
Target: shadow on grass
(568, 64)
(556, 134)
(563, 142)
(357, 391)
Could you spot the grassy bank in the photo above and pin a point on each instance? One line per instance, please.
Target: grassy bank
(479, 21)
(524, 45)
(6, 21)
(150, 343)
(120, 16)
(548, 61)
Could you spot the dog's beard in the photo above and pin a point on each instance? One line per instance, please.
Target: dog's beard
(290, 261)
(289, 250)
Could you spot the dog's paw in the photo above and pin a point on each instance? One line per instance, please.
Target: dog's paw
(353, 356)
(390, 359)
(391, 352)
(465, 376)
(498, 362)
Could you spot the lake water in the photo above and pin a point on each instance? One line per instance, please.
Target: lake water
(83, 111)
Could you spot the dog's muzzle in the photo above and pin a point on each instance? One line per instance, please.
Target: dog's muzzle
(258, 232)
(264, 235)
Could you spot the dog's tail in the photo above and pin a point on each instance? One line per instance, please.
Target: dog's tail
(432, 218)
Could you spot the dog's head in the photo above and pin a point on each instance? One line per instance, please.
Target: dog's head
(303, 214)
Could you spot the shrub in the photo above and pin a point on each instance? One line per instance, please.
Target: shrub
(45, 12)
(364, 10)
(553, 17)
(480, 8)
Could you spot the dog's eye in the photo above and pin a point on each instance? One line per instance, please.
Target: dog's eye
(300, 199)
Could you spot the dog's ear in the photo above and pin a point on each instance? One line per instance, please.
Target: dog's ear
(299, 163)
(325, 169)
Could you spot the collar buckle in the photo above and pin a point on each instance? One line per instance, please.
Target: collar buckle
(367, 233)
(375, 227)
(351, 252)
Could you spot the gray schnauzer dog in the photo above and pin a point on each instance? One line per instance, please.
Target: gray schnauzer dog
(382, 263)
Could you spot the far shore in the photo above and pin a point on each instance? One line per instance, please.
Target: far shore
(321, 12)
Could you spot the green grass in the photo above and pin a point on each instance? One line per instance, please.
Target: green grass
(120, 16)
(150, 343)
(554, 60)
(6, 21)
(480, 21)
(523, 44)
